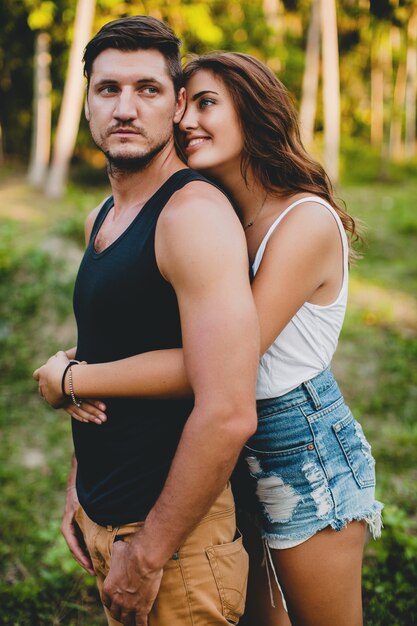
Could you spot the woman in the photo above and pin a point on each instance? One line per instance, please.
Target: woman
(308, 466)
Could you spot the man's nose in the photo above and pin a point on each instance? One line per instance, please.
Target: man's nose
(126, 106)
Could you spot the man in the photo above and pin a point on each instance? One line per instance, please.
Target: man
(166, 265)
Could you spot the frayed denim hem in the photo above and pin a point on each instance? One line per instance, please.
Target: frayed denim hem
(372, 517)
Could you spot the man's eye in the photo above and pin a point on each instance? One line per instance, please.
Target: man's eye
(108, 89)
(150, 90)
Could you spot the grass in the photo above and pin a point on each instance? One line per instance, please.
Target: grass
(376, 365)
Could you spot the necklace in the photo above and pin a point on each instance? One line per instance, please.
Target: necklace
(255, 217)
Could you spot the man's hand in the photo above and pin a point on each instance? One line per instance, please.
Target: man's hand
(131, 587)
(49, 377)
(72, 533)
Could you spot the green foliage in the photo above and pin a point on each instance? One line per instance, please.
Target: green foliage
(41, 16)
(34, 291)
(390, 573)
(40, 583)
(376, 365)
(197, 14)
(72, 228)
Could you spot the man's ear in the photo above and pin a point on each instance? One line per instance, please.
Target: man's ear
(86, 107)
(180, 105)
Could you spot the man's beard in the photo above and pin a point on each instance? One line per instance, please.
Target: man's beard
(119, 165)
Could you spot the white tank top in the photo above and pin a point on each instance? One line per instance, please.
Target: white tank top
(306, 345)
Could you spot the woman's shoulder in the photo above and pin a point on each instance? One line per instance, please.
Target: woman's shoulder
(306, 213)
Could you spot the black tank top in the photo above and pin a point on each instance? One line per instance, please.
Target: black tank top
(123, 306)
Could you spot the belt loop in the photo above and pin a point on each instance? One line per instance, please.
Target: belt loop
(313, 394)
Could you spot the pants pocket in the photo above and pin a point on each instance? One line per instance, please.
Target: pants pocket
(357, 450)
(230, 566)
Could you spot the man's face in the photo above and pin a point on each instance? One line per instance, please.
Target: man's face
(131, 106)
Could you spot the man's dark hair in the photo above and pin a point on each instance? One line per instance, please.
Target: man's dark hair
(140, 32)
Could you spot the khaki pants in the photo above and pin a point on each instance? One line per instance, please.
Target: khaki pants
(204, 583)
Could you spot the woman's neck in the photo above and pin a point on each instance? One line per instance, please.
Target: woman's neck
(246, 197)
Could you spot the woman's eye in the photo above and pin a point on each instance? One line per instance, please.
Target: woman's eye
(206, 102)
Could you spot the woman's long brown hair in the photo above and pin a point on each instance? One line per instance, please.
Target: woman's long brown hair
(272, 146)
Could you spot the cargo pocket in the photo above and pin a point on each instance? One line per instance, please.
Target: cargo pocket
(230, 566)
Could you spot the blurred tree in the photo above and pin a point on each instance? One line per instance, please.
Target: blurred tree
(40, 19)
(331, 88)
(1, 146)
(41, 120)
(16, 51)
(283, 33)
(274, 16)
(396, 146)
(311, 75)
(377, 87)
(411, 84)
(69, 117)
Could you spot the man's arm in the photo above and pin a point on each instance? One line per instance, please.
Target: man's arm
(201, 250)
(69, 527)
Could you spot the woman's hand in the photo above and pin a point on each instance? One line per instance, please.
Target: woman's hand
(49, 378)
(89, 411)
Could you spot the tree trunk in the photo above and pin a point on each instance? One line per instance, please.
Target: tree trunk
(377, 95)
(72, 102)
(311, 76)
(331, 88)
(41, 128)
(1, 146)
(396, 149)
(411, 88)
(274, 17)
(386, 61)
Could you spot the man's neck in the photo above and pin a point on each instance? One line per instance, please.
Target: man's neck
(132, 188)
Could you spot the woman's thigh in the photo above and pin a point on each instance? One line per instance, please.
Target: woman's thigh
(321, 578)
(261, 609)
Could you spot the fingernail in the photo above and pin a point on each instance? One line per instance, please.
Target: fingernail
(102, 407)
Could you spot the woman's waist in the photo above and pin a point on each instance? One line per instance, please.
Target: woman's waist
(319, 390)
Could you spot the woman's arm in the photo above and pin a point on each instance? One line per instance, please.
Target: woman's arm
(157, 374)
(302, 262)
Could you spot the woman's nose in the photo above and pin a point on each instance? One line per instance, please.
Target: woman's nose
(189, 120)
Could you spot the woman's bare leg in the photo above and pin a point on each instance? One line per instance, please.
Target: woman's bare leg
(259, 610)
(321, 578)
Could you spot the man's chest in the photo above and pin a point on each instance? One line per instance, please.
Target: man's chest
(113, 228)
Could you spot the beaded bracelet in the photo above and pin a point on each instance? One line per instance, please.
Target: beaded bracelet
(75, 400)
(71, 362)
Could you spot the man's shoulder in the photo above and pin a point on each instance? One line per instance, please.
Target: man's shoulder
(198, 222)
(91, 218)
(94, 213)
(196, 197)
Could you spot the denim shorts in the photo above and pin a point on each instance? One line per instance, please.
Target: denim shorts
(310, 466)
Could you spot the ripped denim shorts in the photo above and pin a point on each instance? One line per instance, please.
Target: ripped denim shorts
(310, 465)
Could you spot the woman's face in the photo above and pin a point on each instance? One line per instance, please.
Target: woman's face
(210, 127)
